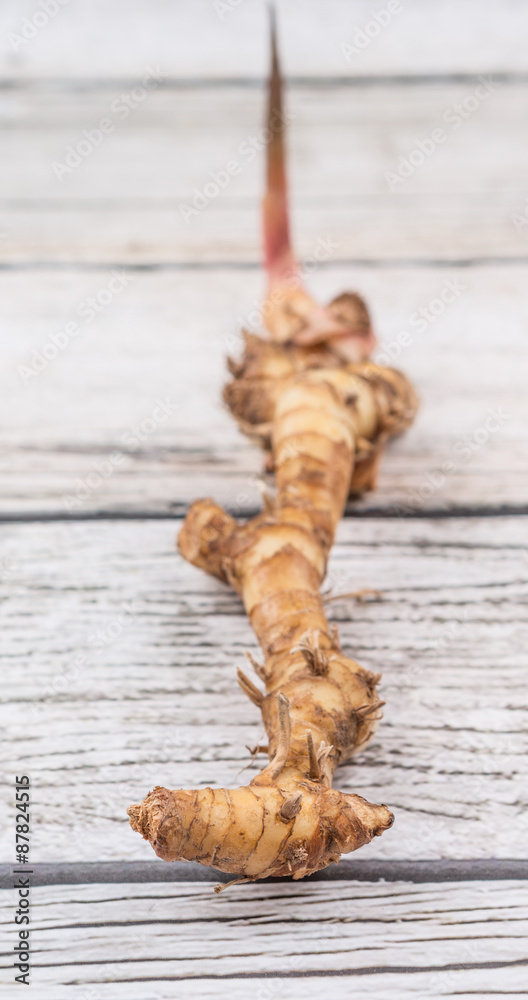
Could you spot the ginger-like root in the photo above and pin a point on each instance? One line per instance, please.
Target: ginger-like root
(319, 706)
(323, 414)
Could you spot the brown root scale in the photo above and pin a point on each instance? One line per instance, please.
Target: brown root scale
(323, 413)
(289, 820)
(241, 831)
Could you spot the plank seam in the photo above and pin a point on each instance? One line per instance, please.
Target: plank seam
(115, 872)
(359, 81)
(179, 510)
(256, 265)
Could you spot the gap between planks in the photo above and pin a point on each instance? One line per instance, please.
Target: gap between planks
(449, 937)
(247, 265)
(179, 511)
(419, 872)
(77, 85)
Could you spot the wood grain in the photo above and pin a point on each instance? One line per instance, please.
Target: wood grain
(341, 144)
(166, 336)
(292, 941)
(381, 227)
(120, 657)
(122, 675)
(204, 39)
(124, 203)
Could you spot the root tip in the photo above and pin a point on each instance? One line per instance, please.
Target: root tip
(134, 814)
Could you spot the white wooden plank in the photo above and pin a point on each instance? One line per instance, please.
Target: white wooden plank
(203, 38)
(343, 142)
(389, 227)
(166, 335)
(124, 201)
(121, 675)
(391, 940)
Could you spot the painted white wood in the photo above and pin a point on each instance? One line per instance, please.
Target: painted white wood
(342, 142)
(370, 227)
(122, 665)
(386, 940)
(207, 38)
(165, 337)
(121, 657)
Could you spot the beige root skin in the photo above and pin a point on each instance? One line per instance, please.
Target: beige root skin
(294, 318)
(323, 418)
(322, 413)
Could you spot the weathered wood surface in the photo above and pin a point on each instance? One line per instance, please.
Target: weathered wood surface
(122, 675)
(207, 39)
(341, 142)
(121, 658)
(353, 868)
(294, 941)
(165, 337)
(389, 226)
(124, 201)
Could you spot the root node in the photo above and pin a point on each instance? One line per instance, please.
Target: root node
(290, 807)
(314, 657)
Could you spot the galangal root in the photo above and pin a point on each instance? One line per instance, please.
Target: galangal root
(323, 413)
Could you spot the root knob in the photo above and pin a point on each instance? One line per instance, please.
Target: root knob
(290, 807)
